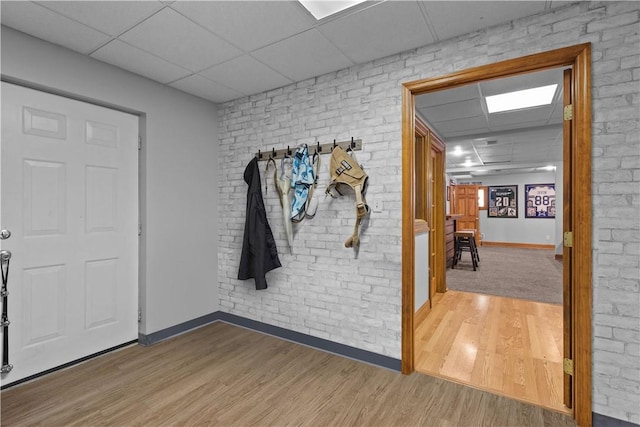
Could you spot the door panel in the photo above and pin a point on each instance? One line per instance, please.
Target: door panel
(466, 204)
(69, 185)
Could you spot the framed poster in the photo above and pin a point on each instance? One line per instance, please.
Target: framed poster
(503, 201)
(540, 200)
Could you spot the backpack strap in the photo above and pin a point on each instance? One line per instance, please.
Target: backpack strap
(361, 211)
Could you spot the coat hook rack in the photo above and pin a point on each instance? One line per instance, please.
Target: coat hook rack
(353, 144)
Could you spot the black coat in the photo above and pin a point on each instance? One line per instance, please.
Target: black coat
(259, 253)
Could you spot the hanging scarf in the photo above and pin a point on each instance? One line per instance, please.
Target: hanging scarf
(302, 177)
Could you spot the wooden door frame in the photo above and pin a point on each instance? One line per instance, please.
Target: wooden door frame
(432, 142)
(579, 58)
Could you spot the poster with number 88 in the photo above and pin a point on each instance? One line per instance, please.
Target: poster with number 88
(540, 200)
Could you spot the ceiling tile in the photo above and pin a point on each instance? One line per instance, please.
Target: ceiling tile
(246, 75)
(454, 18)
(457, 125)
(204, 88)
(303, 56)
(248, 25)
(373, 32)
(523, 81)
(447, 96)
(110, 17)
(459, 110)
(520, 117)
(173, 37)
(47, 25)
(140, 62)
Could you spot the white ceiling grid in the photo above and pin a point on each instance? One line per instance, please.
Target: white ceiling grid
(224, 50)
(279, 41)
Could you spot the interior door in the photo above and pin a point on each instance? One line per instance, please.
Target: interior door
(69, 184)
(466, 204)
(567, 226)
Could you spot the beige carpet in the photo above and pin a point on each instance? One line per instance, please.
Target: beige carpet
(530, 274)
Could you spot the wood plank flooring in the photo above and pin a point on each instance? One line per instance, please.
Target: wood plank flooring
(224, 375)
(507, 346)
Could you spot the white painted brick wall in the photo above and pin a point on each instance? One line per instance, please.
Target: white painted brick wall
(327, 291)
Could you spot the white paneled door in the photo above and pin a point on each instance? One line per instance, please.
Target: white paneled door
(69, 183)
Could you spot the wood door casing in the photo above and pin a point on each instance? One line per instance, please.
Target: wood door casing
(580, 162)
(566, 251)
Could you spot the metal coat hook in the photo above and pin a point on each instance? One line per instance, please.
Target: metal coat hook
(259, 154)
(334, 144)
(273, 153)
(353, 144)
(288, 150)
(318, 148)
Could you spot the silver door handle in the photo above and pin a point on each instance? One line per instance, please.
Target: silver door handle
(5, 234)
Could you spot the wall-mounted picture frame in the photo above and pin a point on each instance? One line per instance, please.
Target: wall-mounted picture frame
(540, 200)
(503, 201)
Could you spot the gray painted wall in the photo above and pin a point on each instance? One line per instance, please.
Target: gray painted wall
(178, 176)
(327, 291)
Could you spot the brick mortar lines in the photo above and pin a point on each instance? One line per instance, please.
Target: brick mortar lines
(325, 291)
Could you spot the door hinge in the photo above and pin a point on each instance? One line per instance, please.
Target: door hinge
(567, 366)
(568, 239)
(568, 112)
(139, 229)
(139, 143)
(139, 315)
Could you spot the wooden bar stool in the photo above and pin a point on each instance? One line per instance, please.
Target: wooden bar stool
(465, 241)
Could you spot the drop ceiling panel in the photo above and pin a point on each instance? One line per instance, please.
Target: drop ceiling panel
(247, 75)
(461, 110)
(249, 25)
(442, 97)
(470, 16)
(47, 25)
(110, 17)
(538, 114)
(205, 88)
(303, 56)
(475, 124)
(370, 33)
(513, 126)
(521, 82)
(173, 37)
(140, 62)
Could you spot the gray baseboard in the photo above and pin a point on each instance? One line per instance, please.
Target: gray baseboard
(156, 337)
(600, 420)
(276, 331)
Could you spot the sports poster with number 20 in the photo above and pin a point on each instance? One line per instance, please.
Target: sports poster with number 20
(541, 200)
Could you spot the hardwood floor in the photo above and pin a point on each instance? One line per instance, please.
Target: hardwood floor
(507, 346)
(228, 376)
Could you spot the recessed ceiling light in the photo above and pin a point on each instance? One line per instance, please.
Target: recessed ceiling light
(457, 151)
(322, 9)
(467, 163)
(520, 99)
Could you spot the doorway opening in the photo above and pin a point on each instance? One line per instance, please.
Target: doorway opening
(577, 210)
(499, 326)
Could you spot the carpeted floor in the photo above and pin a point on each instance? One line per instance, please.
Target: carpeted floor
(530, 274)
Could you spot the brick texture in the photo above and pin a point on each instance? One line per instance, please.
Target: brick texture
(354, 298)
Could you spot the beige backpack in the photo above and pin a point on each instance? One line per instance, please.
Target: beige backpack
(347, 173)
